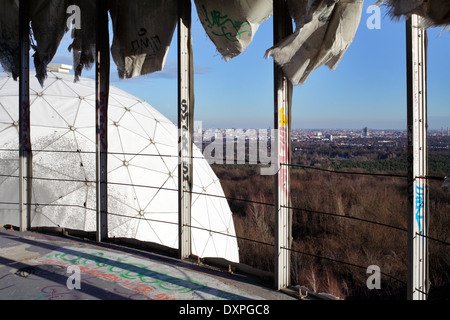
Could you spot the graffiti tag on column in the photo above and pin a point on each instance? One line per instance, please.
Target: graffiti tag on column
(419, 208)
(185, 141)
(184, 114)
(283, 156)
(223, 25)
(26, 144)
(186, 179)
(102, 119)
(283, 120)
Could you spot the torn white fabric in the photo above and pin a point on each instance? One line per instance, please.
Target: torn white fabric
(324, 31)
(231, 25)
(48, 23)
(9, 37)
(434, 12)
(143, 31)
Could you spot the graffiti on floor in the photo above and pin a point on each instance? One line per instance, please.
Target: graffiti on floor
(141, 279)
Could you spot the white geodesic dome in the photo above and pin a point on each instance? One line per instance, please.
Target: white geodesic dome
(142, 168)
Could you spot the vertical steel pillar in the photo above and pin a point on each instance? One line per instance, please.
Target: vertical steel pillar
(283, 100)
(417, 160)
(25, 154)
(185, 127)
(102, 68)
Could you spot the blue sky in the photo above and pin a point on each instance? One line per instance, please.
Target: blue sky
(367, 89)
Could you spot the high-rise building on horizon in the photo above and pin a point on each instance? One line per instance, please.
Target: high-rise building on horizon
(366, 132)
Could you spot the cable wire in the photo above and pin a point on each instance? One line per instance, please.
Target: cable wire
(341, 262)
(245, 200)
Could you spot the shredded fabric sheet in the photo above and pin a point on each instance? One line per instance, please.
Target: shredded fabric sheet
(434, 13)
(83, 45)
(324, 31)
(143, 31)
(9, 37)
(231, 25)
(48, 23)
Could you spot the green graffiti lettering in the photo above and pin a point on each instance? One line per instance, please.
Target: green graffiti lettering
(224, 26)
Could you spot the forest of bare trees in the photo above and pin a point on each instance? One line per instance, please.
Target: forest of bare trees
(341, 224)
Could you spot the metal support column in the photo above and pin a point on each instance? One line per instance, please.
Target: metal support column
(25, 154)
(283, 100)
(102, 69)
(185, 126)
(417, 160)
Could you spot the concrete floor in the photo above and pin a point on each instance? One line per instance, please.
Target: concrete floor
(37, 266)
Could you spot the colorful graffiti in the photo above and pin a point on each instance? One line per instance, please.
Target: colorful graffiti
(419, 207)
(144, 279)
(223, 26)
(283, 157)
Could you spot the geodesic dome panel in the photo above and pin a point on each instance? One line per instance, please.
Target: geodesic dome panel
(142, 168)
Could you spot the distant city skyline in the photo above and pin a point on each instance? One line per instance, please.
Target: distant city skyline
(444, 130)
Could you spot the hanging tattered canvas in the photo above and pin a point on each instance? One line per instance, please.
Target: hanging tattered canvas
(9, 37)
(231, 25)
(433, 12)
(84, 38)
(324, 31)
(48, 23)
(143, 31)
